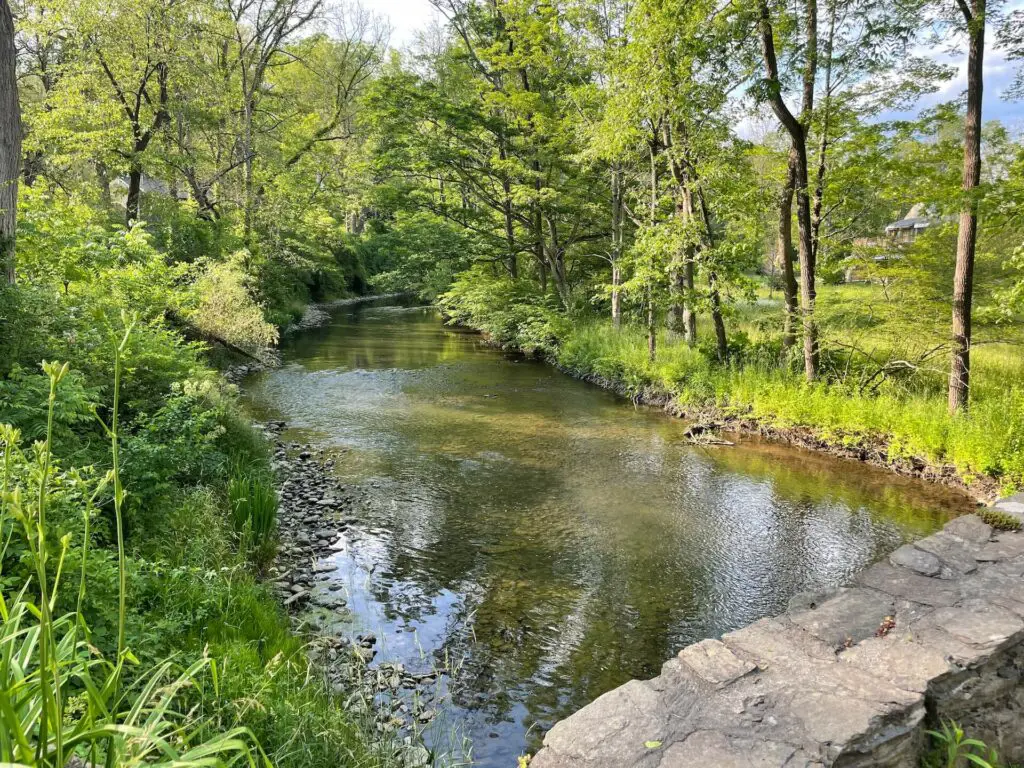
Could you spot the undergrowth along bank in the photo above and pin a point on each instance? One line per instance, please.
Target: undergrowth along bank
(903, 426)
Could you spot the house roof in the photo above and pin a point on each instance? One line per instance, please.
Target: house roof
(916, 218)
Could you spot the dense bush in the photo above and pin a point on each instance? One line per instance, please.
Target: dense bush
(510, 312)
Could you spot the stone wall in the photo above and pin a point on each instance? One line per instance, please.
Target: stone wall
(850, 678)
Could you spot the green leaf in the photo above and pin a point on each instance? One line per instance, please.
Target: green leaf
(652, 744)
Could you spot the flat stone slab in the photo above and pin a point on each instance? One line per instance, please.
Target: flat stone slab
(956, 556)
(909, 556)
(901, 582)
(839, 679)
(705, 749)
(714, 662)
(969, 528)
(847, 618)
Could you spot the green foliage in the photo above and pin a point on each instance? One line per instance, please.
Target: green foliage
(23, 404)
(417, 252)
(953, 749)
(509, 312)
(226, 311)
(1001, 521)
(60, 697)
(178, 445)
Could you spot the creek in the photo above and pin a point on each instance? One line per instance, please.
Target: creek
(544, 540)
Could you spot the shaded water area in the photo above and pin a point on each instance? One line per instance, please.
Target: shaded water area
(547, 538)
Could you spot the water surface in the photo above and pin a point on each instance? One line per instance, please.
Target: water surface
(545, 539)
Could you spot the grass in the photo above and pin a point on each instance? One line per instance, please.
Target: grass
(988, 442)
(253, 504)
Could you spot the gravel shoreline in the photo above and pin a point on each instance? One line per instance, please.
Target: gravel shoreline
(317, 517)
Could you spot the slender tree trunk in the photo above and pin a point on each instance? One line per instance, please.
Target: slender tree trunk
(823, 143)
(616, 297)
(808, 292)
(10, 143)
(506, 205)
(248, 192)
(132, 202)
(721, 340)
(652, 328)
(689, 315)
(682, 318)
(963, 278)
(616, 251)
(796, 128)
(784, 254)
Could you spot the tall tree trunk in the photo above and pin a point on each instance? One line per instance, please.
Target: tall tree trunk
(963, 278)
(506, 206)
(132, 202)
(616, 297)
(721, 340)
(784, 254)
(797, 131)
(10, 143)
(823, 143)
(616, 246)
(248, 170)
(652, 328)
(689, 314)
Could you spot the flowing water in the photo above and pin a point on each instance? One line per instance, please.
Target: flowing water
(544, 539)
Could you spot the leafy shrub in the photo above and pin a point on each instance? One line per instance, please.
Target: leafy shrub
(179, 444)
(508, 311)
(23, 404)
(226, 311)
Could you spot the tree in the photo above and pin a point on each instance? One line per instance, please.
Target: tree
(796, 126)
(10, 142)
(963, 279)
(260, 30)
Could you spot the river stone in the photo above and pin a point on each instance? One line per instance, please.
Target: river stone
(328, 600)
(916, 559)
(715, 663)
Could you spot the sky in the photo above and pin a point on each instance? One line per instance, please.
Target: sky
(410, 16)
(407, 17)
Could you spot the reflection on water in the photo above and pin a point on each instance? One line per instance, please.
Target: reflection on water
(552, 538)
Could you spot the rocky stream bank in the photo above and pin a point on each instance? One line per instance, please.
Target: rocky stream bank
(318, 517)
